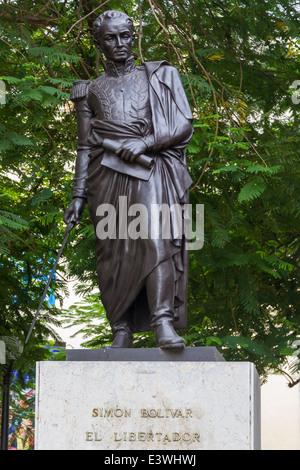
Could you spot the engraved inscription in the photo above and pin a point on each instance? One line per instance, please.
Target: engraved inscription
(166, 413)
(111, 412)
(147, 415)
(157, 436)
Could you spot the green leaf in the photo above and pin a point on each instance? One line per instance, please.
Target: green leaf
(19, 139)
(12, 221)
(263, 169)
(41, 196)
(212, 339)
(226, 169)
(32, 94)
(252, 190)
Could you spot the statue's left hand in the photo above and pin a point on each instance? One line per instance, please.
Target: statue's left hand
(131, 149)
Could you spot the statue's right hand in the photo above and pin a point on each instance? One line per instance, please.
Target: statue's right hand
(74, 212)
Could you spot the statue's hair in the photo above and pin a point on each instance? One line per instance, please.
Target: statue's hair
(107, 16)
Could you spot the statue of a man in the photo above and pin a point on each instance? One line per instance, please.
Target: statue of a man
(127, 114)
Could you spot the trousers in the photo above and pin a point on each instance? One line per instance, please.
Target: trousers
(160, 289)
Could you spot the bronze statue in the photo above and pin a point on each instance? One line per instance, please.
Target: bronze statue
(133, 126)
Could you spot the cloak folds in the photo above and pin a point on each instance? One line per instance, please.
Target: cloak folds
(123, 264)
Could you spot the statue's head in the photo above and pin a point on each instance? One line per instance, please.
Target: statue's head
(113, 33)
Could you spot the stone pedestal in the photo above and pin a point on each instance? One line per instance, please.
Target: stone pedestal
(144, 404)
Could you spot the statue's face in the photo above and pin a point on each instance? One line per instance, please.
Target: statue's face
(116, 39)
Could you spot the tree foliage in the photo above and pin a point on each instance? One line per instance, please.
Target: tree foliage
(238, 62)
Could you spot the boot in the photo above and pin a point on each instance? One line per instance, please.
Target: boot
(122, 336)
(166, 337)
(160, 293)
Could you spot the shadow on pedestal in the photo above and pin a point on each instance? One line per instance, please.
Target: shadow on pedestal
(202, 354)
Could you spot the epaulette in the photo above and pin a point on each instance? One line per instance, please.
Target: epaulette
(79, 90)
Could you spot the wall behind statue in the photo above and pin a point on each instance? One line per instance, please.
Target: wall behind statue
(280, 415)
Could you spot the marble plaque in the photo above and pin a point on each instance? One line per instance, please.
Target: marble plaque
(132, 405)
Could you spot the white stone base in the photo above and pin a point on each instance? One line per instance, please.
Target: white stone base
(147, 406)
